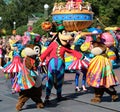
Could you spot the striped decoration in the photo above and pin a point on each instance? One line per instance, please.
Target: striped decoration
(79, 64)
(14, 66)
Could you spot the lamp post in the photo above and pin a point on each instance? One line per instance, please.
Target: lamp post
(14, 28)
(46, 7)
(14, 25)
(0, 19)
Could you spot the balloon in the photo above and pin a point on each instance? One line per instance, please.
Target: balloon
(108, 39)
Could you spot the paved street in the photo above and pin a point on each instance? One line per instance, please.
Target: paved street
(76, 102)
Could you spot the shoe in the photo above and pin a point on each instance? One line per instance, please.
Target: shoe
(13, 91)
(40, 105)
(77, 89)
(96, 100)
(115, 98)
(18, 109)
(84, 88)
(46, 102)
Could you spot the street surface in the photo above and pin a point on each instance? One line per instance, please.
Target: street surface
(76, 102)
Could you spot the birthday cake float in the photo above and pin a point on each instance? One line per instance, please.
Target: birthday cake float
(75, 14)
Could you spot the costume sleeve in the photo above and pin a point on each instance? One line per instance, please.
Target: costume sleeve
(75, 53)
(46, 53)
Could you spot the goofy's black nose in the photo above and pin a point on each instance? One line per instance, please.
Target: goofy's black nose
(73, 35)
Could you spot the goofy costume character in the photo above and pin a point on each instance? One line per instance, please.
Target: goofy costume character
(56, 64)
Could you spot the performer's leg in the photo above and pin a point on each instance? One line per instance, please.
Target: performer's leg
(98, 94)
(23, 97)
(50, 81)
(49, 85)
(77, 89)
(36, 94)
(60, 79)
(112, 92)
(84, 79)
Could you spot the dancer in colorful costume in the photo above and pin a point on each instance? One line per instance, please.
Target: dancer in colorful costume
(23, 75)
(56, 65)
(100, 75)
(13, 67)
(28, 81)
(83, 47)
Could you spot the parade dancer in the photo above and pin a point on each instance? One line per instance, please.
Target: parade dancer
(56, 65)
(100, 75)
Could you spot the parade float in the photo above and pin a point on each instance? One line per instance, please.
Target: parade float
(75, 14)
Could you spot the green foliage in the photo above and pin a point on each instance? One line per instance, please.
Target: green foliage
(60, 0)
(37, 26)
(118, 21)
(107, 11)
(20, 11)
(20, 30)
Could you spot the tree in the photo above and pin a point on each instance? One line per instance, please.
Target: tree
(20, 30)
(106, 10)
(21, 10)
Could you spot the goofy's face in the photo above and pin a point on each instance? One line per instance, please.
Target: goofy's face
(65, 37)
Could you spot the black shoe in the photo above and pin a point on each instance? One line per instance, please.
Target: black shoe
(46, 102)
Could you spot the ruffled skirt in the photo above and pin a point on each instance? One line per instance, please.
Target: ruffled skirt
(100, 73)
(14, 66)
(24, 77)
(79, 64)
(23, 81)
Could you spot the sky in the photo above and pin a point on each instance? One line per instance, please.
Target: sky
(7, 1)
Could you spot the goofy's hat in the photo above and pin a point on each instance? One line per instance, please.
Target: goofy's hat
(60, 26)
